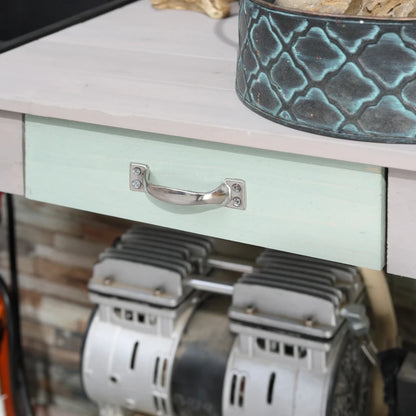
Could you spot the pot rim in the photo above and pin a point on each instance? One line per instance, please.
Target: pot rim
(334, 16)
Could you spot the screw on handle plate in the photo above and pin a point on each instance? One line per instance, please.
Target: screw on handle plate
(231, 193)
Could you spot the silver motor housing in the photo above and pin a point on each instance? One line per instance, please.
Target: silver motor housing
(287, 342)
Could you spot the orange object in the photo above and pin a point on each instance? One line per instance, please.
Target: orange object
(5, 370)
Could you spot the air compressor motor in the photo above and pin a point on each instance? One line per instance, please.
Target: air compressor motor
(172, 336)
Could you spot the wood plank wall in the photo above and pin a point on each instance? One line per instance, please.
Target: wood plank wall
(57, 249)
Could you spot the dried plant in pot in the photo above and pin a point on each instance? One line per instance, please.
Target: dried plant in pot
(352, 77)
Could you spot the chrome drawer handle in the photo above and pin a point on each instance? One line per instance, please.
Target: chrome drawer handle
(231, 193)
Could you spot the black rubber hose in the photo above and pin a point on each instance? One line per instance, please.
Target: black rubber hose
(21, 393)
(14, 279)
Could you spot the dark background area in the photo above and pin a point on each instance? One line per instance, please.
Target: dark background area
(25, 20)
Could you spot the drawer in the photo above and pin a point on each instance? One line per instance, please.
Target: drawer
(401, 222)
(316, 207)
(11, 153)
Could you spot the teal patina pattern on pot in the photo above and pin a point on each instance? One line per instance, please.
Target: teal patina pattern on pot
(348, 77)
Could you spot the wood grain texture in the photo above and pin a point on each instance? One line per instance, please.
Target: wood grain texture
(165, 72)
(317, 207)
(401, 223)
(11, 153)
(53, 245)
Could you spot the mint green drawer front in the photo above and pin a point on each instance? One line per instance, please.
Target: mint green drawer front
(316, 207)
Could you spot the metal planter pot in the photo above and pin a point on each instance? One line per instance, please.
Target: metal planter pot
(347, 77)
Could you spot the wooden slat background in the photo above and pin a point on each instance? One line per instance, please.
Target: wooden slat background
(57, 248)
